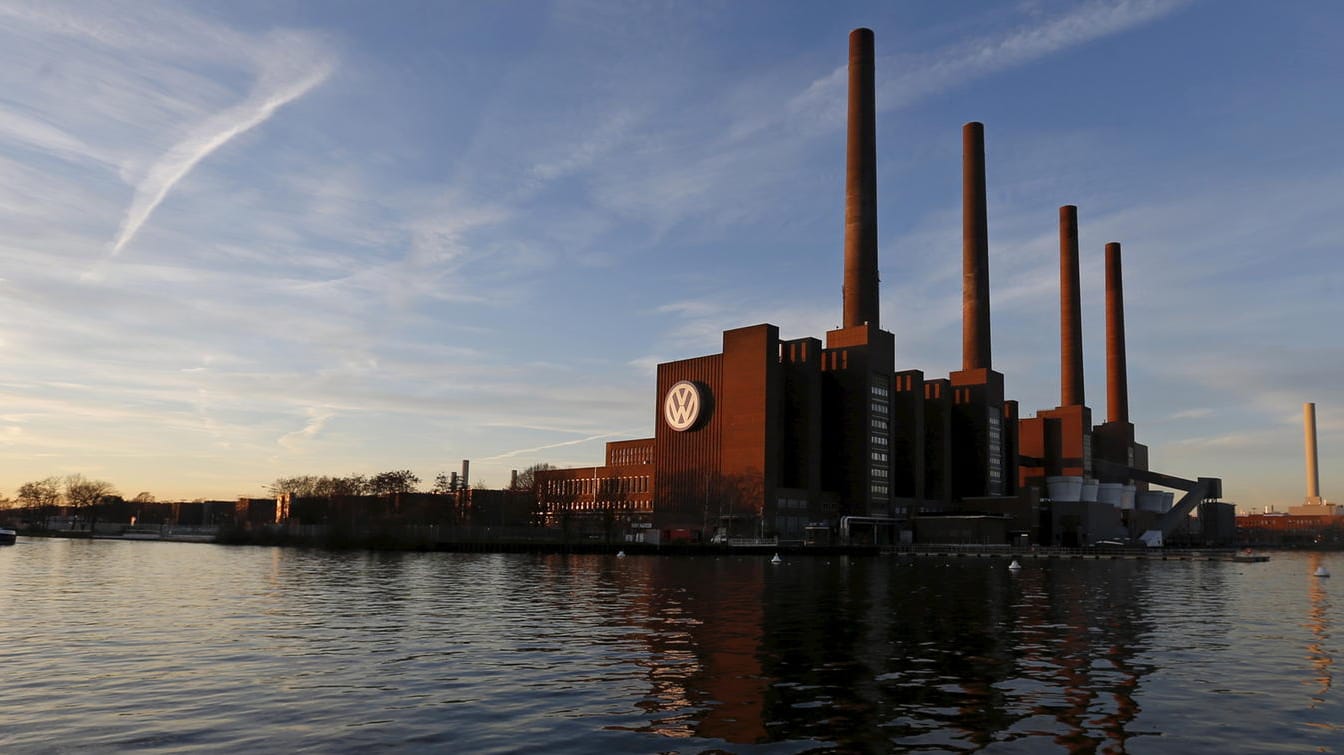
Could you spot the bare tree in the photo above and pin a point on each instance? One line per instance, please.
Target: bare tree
(443, 484)
(41, 494)
(397, 481)
(332, 487)
(84, 495)
(527, 479)
(303, 486)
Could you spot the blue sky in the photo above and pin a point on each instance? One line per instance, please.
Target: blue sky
(246, 240)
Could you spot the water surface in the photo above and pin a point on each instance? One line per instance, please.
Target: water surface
(168, 647)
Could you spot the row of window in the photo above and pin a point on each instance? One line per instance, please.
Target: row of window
(603, 506)
(634, 455)
(598, 486)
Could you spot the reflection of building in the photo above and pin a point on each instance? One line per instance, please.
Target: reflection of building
(776, 437)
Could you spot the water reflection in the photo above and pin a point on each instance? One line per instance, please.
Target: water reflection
(875, 653)
(1318, 622)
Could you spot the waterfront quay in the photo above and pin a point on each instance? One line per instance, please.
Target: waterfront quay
(1093, 553)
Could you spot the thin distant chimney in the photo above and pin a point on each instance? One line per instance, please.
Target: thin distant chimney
(1309, 430)
(974, 251)
(1117, 382)
(860, 290)
(466, 466)
(1070, 311)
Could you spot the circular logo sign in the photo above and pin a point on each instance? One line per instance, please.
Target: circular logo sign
(682, 405)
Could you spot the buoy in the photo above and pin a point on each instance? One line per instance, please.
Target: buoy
(1014, 565)
(1321, 571)
(620, 554)
(776, 559)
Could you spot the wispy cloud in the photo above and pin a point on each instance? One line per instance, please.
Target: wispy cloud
(317, 419)
(284, 78)
(550, 446)
(941, 70)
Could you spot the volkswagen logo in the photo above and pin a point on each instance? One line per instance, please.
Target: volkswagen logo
(682, 405)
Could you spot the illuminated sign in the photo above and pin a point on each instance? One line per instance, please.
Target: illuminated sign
(682, 405)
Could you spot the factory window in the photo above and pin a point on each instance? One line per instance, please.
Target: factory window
(878, 489)
(879, 456)
(879, 440)
(879, 472)
(879, 424)
(880, 391)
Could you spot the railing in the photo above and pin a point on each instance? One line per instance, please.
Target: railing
(752, 542)
(994, 550)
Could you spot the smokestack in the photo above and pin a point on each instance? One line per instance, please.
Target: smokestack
(860, 294)
(974, 251)
(466, 466)
(1309, 431)
(1117, 382)
(1070, 311)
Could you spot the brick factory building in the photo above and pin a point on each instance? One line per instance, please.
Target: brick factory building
(800, 439)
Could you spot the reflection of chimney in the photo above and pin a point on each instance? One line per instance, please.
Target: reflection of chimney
(1117, 385)
(860, 293)
(974, 251)
(1070, 311)
(1309, 430)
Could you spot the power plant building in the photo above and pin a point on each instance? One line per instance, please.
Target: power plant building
(800, 439)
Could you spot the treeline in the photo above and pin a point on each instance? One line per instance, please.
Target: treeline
(79, 492)
(387, 483)
(312, 486)
(75, 491)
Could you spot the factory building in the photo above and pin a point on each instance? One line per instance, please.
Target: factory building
(800, 439)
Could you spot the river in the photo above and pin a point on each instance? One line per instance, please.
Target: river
(173, 647)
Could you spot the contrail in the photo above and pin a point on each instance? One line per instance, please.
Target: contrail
(520, 451)
(216, 132)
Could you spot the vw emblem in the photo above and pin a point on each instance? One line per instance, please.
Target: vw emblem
(682, 405)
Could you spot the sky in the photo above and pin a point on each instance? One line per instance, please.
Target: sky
(247, 240)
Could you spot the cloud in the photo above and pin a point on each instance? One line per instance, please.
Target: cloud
(317, 419)
(1192, 414)
(284, 78)
(956, 65)
(561, 444)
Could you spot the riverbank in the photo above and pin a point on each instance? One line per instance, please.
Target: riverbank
(428, 540)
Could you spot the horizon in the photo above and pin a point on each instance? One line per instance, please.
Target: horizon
(249, 242)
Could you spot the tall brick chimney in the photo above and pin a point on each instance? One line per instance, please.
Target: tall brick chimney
(1117, 381)
(974, 251)
(860, 292)
(1070, 311)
